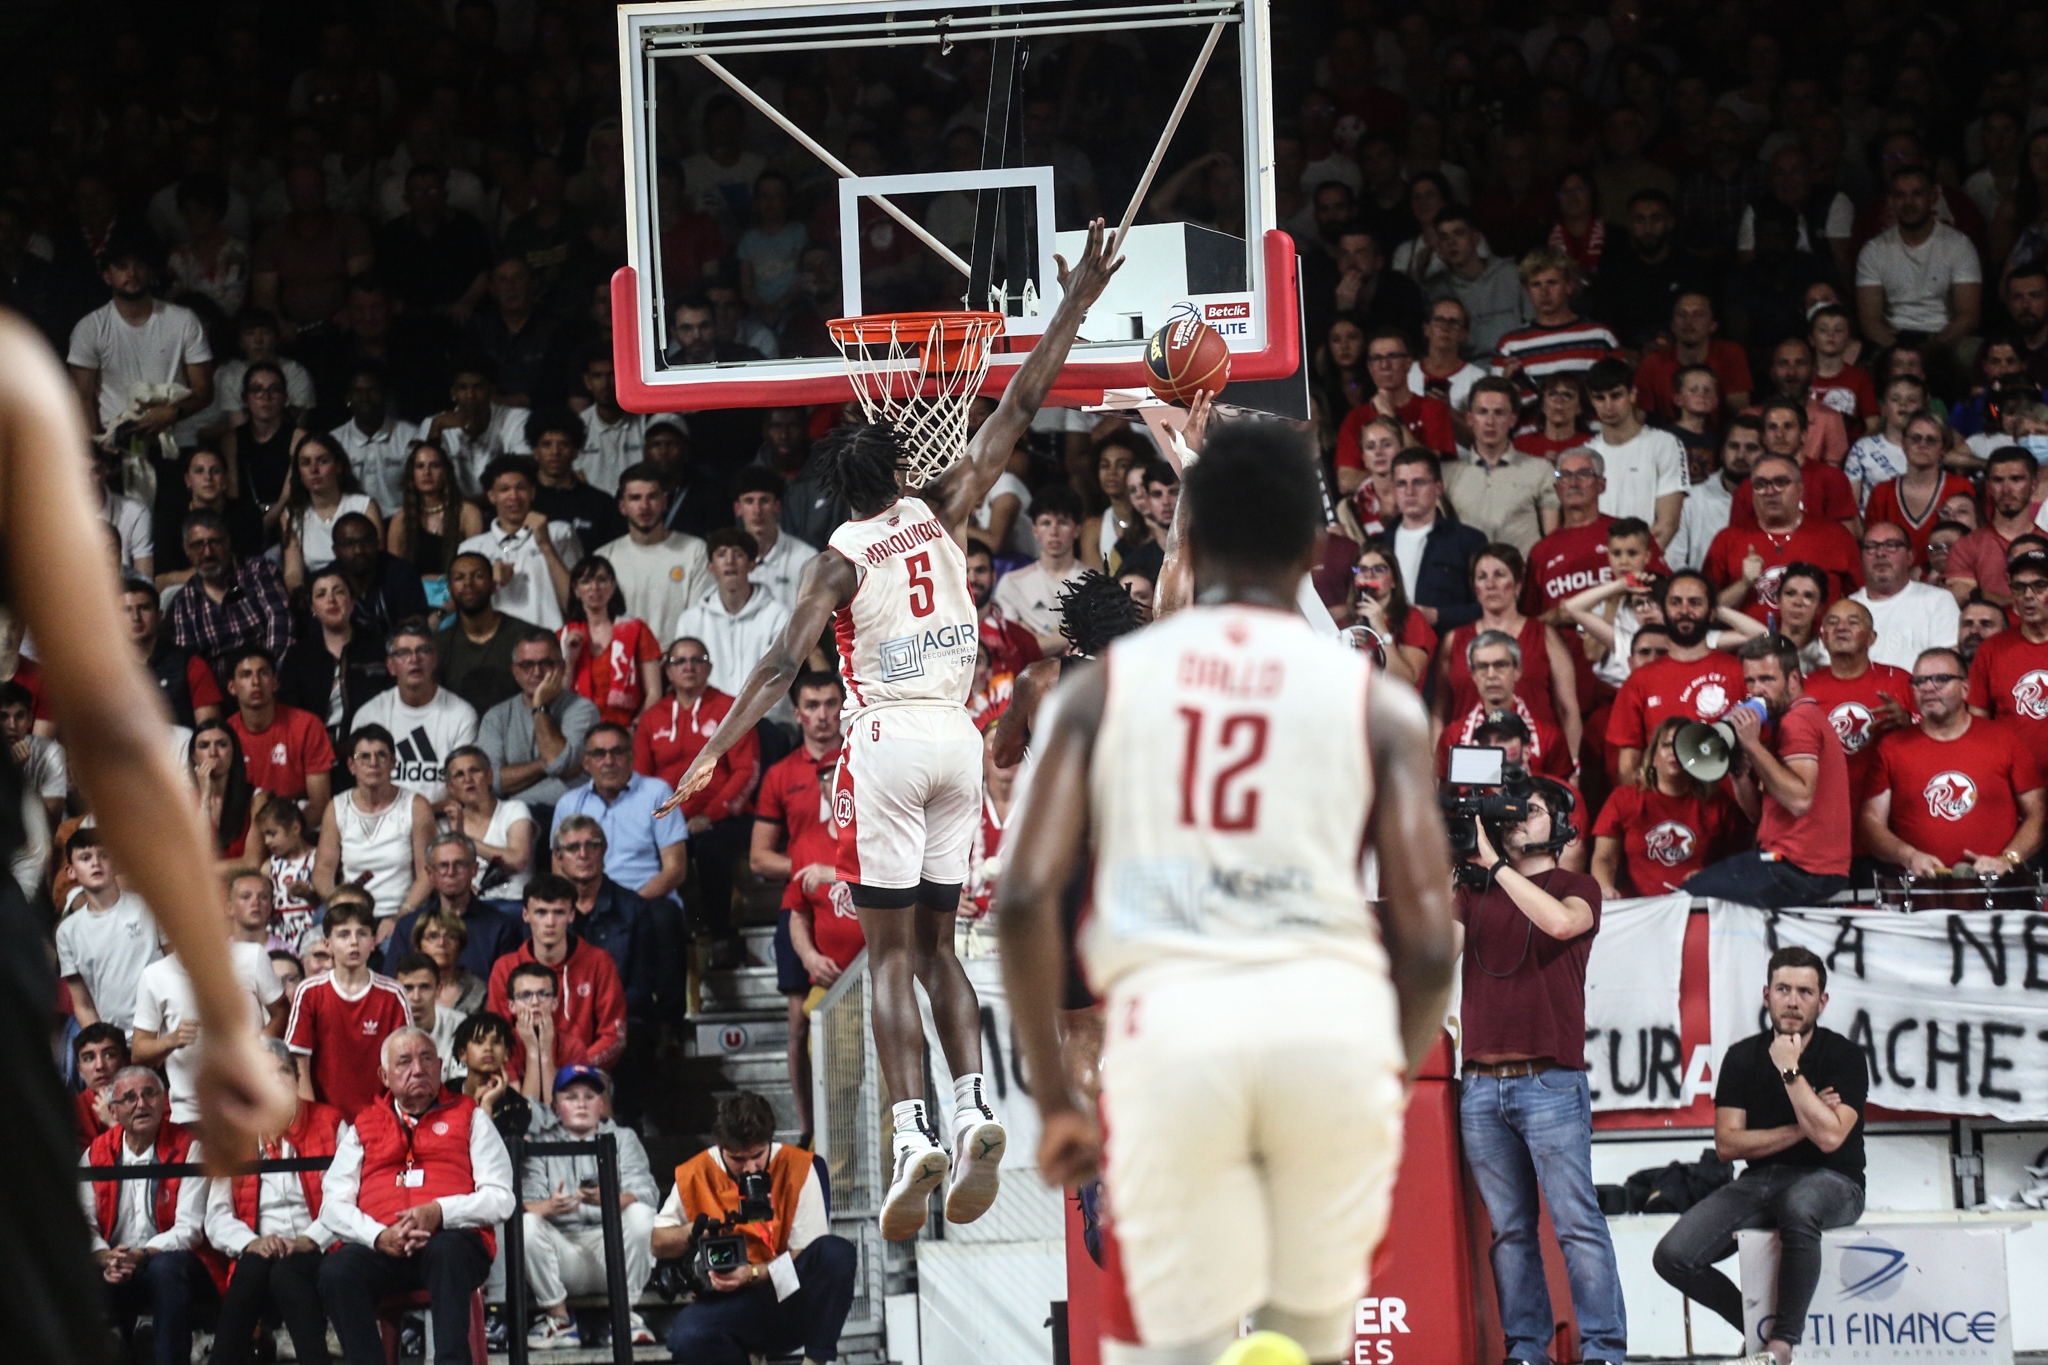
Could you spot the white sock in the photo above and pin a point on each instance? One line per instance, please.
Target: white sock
(970, 1092)
(909, 1119)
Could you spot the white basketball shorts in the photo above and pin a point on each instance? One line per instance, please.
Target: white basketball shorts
(1253, 1126)
(907, 797)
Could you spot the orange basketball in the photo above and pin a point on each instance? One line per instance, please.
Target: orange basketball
(1185, 357)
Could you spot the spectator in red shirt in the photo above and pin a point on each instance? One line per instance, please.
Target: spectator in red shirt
(2009, 676)
(1574, 556)
(1827, 491)
(1562, 413)
(1549, 681)
(286, 751)
(1954, 793)
(1980, 621)
(1863, 700)
(1836, 384)
(1793, 781)
(796, 842)
(1494, 660)
(101, 1051)
(1011, 644)
(1745, 565)
(1659, 830)
(185, 679)
(1692, 343)
(1694, 680)
(1825, 437)
(1428, 420)
(1913, 500)
(588, 1005)
(341, 1017)
(1977, 561)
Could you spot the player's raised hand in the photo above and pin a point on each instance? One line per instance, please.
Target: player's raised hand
(1069, 1148)
(695, 780)
(1090, 277)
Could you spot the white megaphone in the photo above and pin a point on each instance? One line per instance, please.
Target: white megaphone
(1704, 747)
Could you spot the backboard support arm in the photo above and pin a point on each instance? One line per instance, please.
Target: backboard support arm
(839, 168)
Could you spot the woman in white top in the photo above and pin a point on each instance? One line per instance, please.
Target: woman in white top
(376, 834)
(501, 830)
(999, 521)
(1114, 456)
(320, 487)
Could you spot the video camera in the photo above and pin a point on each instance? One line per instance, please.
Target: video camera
(717, 1247)
(1483, 788)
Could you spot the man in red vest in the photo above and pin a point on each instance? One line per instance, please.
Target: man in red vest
(146, 1233)
(794, 1292)
(270, 1226)
(416, 1191)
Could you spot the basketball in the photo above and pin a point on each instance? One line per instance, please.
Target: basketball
(1185, 357)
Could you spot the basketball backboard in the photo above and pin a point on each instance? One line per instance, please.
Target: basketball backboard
(945, 152)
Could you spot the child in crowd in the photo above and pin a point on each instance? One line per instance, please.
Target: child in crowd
(341, 1017)
(483, 1044)
(420, 978)
(106, 937)
(252, 913)
(291, 972)
(290, 865)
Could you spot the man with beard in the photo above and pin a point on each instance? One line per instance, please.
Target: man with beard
(1708, 503)
(1977, 561)
(477, 640)
(1823, 438)
(136, 338)
(1642, 275)
(1793, 781)
(1980, 621)
(2026, 303)
(1864, 701)
(1746, 564)
(660, 570)
(1955, 793)
(1693, 680)
(229, 602)
(1789, 1102)
(1011, 644)
(2009, 676)
(1692, 343)
(1919, 279)
(187, 683)
(386, 588)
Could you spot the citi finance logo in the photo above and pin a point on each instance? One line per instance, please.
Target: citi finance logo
(1872, 1271)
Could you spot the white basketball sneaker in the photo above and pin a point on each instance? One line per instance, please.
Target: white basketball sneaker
(920, 1169)
(978, 1143)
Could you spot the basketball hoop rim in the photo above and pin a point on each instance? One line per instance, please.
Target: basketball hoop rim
(945, 341)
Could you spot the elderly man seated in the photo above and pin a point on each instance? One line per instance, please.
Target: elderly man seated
(269, 1226)
(415, 1193)
(145, 1232)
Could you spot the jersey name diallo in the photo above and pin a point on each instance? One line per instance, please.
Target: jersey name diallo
(908, 635)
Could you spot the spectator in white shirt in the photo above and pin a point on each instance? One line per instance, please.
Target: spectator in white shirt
(40, 758)
(136, 338)
(129, 519)
(1919, 279)
(475, 431)
(106, 938)
(1908, 616)
(427, 722)
(1711, 502)
(376, 441)
(167, 1014)
(259, 339)
(1030, 595)
(614, 439)
(660, 571)
(1646, 469)
(528, 553)
(738, 620)
(757, 505)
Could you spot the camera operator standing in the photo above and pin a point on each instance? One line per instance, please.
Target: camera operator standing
(794, 1286)
(1793, 780)
(1526, 1108)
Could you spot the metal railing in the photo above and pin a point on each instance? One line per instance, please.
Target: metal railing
(848, 1102)
(605, 1147)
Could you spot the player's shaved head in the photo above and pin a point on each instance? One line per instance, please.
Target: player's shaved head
(1255, 501)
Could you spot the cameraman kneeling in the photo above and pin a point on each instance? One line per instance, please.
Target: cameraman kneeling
(795, 1285)
(1526, 1113)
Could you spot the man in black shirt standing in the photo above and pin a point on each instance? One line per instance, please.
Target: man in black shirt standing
(1789, 1102)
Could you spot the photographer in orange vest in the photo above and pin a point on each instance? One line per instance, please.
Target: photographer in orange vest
(794, 1286)
(417, 1188)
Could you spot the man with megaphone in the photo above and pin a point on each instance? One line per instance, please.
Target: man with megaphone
(1790, 775)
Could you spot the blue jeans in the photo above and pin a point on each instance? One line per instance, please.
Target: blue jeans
(1523, 1134)
(1748, 880)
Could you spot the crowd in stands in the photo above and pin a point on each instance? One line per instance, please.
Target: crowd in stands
(1637, 332)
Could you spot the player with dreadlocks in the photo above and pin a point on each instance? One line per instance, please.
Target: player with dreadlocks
(892, 586)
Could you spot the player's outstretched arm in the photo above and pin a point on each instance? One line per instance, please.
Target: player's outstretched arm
(1042, 857)
(967, 483)
(1414, 862)
(116, 735)
(827, 584)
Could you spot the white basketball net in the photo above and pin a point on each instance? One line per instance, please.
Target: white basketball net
(919, 372)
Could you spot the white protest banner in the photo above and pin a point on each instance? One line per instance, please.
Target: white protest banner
(1904, 1292)
(1633, 1057)
(1950, 1008)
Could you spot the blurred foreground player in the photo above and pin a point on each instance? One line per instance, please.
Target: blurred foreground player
(892, 584)
(121, 756)
(1260, 1021)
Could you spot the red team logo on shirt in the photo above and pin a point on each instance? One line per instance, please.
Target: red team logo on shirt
(1670, 843)
(1852, 725)
(2030, 695)
(1951, 795)
(842, 808)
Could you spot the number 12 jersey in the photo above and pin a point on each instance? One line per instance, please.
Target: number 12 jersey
(908, 634)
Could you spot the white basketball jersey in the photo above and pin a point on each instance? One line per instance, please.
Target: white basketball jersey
(908, 636)
(1231, 788)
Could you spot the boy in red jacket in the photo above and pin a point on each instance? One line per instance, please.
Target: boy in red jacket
(587, 1005)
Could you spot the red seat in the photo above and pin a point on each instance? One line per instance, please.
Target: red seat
(389, 1310)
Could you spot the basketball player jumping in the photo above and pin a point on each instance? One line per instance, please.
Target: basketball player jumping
(892, 585)
(1260, 1021)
